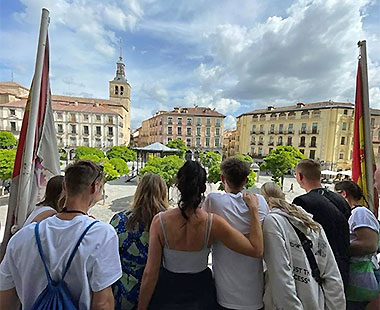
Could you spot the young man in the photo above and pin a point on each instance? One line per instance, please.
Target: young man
(238, 278)
(96, 264)
(328, 209)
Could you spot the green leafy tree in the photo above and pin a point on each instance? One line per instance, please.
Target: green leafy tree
(7, 160)
(86, 150)
(210, 159)
(123, 152)
(7, 140)
(246, 158)
(166, 167)
(180, 145)
(251, 179)
(280, 161)
(120, 166)
(109, 169)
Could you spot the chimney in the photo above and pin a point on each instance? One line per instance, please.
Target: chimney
(300, 104)
(270, 108)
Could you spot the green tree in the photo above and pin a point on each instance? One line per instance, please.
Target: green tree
(280, 161)
(7, 140)
(246, 158)
(86, 150)
(180, 145)
(120, 166)
(123, 152)
(7, 160)
(210, 159)
(166, 167)
(109, 169)
(251, 179)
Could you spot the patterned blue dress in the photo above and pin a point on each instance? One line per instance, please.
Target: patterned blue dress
(133, 250)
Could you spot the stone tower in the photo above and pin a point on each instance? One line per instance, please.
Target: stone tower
(120, 92)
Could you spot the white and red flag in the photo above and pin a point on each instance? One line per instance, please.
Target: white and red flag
(37, 158)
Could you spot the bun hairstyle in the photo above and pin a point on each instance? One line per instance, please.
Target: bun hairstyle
(191, 182)
(352, 189)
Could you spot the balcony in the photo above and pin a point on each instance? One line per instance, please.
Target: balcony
(315, 131)
(262, 132)
(279, 143)
(281, 131)
(260, 143)
(289, 144)
(303, 132)
(301, 145)
(217, 125)
(290, 131)
(253, 132)
(271, 143)
(312, 145)
(253, 142)
(188, 134)
(86, 133)
(271, 131)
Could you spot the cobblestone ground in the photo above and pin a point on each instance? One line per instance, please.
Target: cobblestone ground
(119, 196)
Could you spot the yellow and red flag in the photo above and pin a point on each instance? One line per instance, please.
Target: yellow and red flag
(359, 174)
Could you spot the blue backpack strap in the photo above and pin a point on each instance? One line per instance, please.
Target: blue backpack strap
(76, 248)
(36, 232)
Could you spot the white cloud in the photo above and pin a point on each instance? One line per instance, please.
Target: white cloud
(229, 122)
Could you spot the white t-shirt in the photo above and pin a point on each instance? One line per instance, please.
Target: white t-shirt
(95, 266)
(362, 217)
(239, 279)
(37, 211)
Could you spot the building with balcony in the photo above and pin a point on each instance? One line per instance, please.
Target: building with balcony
(375, 134)
(201, 128)
(320, 130)
(229, 141)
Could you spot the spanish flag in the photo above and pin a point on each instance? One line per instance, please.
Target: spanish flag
(359, 174)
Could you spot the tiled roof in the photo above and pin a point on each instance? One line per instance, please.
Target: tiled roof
(375, 111)
(68, 107)
(196, 111)
(302, 106)
(13, 88)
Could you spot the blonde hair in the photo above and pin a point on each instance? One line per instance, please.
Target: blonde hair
(150, 198)
(276, 199)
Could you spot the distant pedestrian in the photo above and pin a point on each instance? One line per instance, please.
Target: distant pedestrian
(328, 209)
(301, 270)
(291, 188)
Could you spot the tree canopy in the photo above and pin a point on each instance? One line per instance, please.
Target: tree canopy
(7, 160)
(178, 144)
(120, 166)
(86, 150)
(123, 152)
(246, 158)
(280, 161)
(210, 159)
(166, 167)
(7, 140)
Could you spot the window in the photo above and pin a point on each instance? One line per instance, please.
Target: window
(72, 117)
(253, 129)
(344, 126)
(342, 140)
(98, 142)
(279, 141)
(110, 131)
(13, 126)
(314, 128)
(86, 142)
(60, 128)
(290, 140)
(73, 141)
(302, 151)
(372, 122)
(217, 122)
(378, 151)
(302, 142)
(85, 117)
(121, 90)
(312, 154)
(199, 121)
(216, 142)
(271, 140)
(85, 130)
(208, 129)
(12, 112)
(341, 156)
(179, 120)
(198, 131)
(170, 120)
(169, 139)
(188, 131)
(260, 152)
(345, 112)
(188, 142)
(198, 141)
(208, 122)
(270, 150)
(261, 128)
(303, 128)
(272, 128)
(189, 121)
(217, 131)
(116, 90)
(73, 128)
(98, 118)
(179, 131)
(59, 115)
(378, 135)
(281, 128)
(207, 141)
(110, 119)
(313, 142)
(290, 128)
(98, 130)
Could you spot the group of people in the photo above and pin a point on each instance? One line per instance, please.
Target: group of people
(266, 252)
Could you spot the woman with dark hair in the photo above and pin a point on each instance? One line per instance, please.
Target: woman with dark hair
(51, 204)
(179, 243)
(132, 228)
(364, 240)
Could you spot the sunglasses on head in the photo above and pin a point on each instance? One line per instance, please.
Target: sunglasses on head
(100, 173)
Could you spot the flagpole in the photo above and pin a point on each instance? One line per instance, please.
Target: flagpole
(368, 151)
(27, 167)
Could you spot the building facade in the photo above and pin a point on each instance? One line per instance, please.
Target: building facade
(201, 128)
(321, 131)
(79, 121)
(375, 134)
(229, 140)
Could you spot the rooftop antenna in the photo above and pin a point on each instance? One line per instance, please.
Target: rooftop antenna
(121, 55)
(12, 76)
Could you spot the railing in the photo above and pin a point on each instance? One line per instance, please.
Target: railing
(262, 132)
(271, 143)
(291, 132)
(252, 132)
(301, 145)
(312, 145)
(253, 142)
(260, 143)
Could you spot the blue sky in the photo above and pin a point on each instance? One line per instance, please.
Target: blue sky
(234, 56)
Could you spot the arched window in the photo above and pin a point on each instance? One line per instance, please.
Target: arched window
(313, 142)
(116, 90)
(302, 141)
(121, 90)
(279, 141)
(378, 135)
(290, 140)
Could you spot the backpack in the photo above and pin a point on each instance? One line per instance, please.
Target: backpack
(56, 295)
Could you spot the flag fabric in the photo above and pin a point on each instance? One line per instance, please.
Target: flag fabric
(359, 174)
(45, 162)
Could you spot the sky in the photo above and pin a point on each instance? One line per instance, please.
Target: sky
(234, 56)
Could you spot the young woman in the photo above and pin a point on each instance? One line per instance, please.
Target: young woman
(132, 227)
(364, 240)
(52, 202)
(291, 283)
(180, 238)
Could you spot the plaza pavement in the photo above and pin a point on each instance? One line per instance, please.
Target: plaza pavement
(119, 196)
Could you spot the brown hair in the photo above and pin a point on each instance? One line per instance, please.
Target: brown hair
(80, 175)
(235, 171)
(310, 169)
(150, 198)
(53, 194)
(276, 199)
(352, 189)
